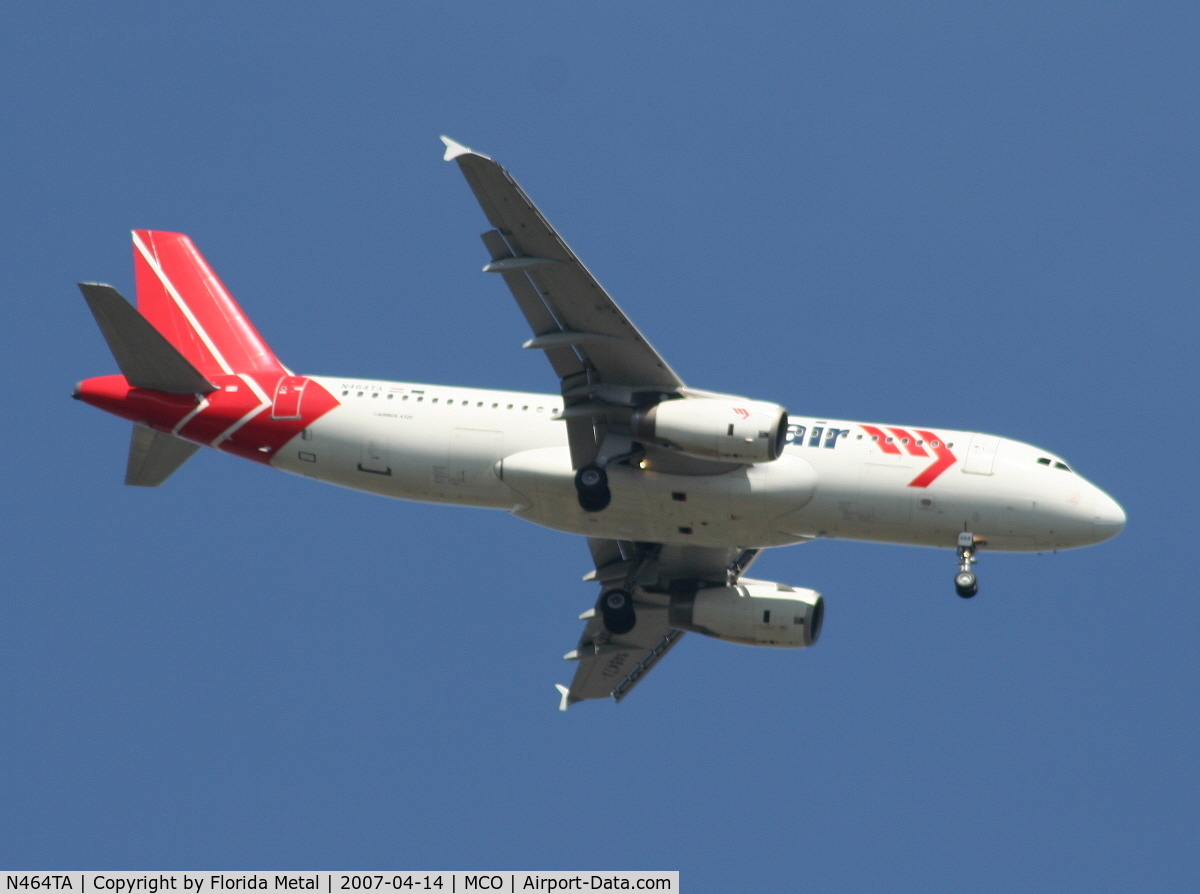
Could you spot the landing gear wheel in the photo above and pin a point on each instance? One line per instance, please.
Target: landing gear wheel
(591, 486)
(616, 610)
(965, 584)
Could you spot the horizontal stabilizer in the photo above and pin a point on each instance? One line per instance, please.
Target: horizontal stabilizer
(145, 357)
(154, 456)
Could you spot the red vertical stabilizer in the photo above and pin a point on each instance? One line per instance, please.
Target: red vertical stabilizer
(246, 403)
(184, 300)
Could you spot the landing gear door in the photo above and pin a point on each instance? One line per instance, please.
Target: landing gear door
(981, 455)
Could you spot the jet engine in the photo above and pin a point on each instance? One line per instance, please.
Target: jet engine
(749, 431)
(753, 612)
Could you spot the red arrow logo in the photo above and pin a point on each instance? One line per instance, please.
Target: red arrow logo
(945, 458)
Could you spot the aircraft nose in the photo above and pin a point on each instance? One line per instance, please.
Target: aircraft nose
(1108, 518)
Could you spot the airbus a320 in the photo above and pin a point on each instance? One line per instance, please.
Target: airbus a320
(677, 489)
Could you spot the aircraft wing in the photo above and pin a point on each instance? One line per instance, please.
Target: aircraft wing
(599, 355)
(612, 664)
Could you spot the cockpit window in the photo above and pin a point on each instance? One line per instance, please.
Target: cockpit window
(1047, 461)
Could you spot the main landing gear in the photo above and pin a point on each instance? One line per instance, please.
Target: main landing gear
(966, 584)
(617, 612)
(591, 486)
(591, 481)
(615, 605)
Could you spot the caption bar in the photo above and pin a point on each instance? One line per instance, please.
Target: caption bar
(331, 882)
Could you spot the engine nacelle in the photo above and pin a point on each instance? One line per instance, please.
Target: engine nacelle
(748, 431)
(753, 612)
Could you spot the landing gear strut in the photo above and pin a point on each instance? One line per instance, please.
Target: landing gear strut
(965, 583)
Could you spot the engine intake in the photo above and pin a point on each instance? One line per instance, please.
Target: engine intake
(751, 431)
(753, 612)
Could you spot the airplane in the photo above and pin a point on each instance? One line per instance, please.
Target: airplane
(678, 490)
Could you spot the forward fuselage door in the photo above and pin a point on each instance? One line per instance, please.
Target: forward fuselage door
(981, 455)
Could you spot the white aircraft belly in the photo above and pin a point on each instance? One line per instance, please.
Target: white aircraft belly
(736, 508)
(435, 453)
(419, 452)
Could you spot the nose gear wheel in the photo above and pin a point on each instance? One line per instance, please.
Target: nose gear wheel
(966, 584)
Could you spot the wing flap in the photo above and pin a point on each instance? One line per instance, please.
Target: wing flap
(613, 665)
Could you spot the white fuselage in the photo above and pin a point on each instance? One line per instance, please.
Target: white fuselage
(508, 450)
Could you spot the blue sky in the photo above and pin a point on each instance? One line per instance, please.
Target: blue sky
(926, 214)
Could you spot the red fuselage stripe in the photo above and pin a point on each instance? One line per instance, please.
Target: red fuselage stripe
(884, 445)
(909, 442)
(945, 459)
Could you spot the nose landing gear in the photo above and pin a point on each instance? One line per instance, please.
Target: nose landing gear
(966, 584)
